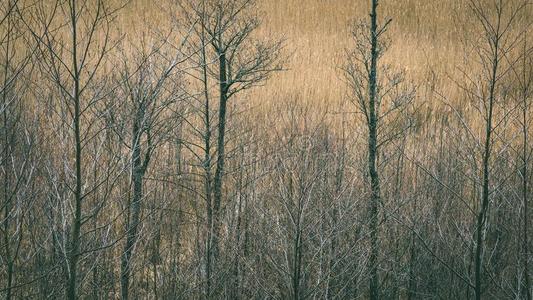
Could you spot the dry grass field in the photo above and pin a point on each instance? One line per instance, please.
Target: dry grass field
(427, 42)
(424, 38)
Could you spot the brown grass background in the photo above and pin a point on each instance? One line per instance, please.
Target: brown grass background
(423, 33)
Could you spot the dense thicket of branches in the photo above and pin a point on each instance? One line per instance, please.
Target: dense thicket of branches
(137, 166)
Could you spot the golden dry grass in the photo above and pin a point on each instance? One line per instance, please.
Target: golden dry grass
(425, 38)
(317, 32)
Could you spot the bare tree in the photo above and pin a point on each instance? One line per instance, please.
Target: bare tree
(18, 143)
(497, 26)
(71, 59)
(236, 61)
(383, 98)
(150, 84)
(523, 73)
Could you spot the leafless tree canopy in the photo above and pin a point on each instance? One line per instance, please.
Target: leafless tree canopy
(159, 159)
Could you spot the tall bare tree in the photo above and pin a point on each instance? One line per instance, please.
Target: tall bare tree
(497, 25)
(66, 34)
(18, 141)
(236, 61)
(383, 98)
(523, 73)
(151, 86)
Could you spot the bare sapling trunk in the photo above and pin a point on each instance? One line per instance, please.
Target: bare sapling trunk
(138, 169)
(74, 244)
(147, 86)
(372, 156)
(386, 116)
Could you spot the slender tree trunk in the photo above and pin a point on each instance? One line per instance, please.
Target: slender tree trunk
(96, 289)
(176, 237)
(73, 253)
(412, 285)
(207, 160)
(332, 288)
(372, 156)
(219, 172)
(5, 154)
(482, 215)
(297, 258)
(236, 262)
(525, 193)
(138, 169)
(297, 270)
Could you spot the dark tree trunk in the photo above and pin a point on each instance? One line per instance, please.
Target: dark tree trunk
(74, 245)
(219, 172)
(208, 184)
(525, 192)
(138, 170)
(372, 156)
(6, 153)
(482, 215)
